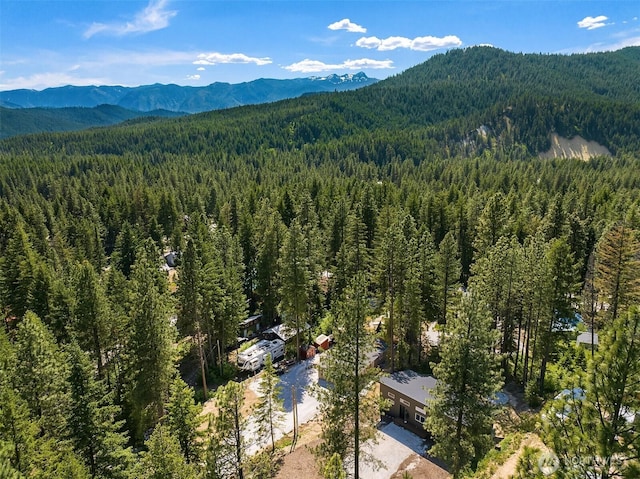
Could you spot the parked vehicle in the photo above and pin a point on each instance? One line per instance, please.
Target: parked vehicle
(253, 358)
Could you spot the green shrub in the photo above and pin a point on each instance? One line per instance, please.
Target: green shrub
(531, 394)
(527, 467)
(247, 345)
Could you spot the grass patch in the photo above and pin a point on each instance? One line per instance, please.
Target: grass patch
(246, 345)
(497, 457)
(284, 442)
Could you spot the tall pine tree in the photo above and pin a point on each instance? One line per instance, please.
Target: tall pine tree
(183, 419)
(225, 455)
(92, 314)
(18, 432)
(617, 275)
(93, 421)
(150, 360)
(269, 410)
(496, 277)
(295, 278)
(349, 414)
(592, 430)
(392, 255)
(270, 234)
(191, 305)
(460, 411)
(447, 275)
(41, 375)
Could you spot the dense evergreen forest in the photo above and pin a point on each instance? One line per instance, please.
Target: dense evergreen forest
(423, 194)
(21, 121)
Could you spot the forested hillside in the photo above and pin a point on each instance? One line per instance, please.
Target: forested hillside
(36, 120)
(490, 99)
(299, 211)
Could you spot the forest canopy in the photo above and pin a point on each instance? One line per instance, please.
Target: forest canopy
(275, 209)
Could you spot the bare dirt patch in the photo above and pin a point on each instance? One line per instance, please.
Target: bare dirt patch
(420, 467)
(172, 276)
(301, 463)
(508, 469)
(576, 147)
(250, 400)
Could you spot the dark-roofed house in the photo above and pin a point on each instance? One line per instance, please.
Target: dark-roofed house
(407, 393)
(251, 326)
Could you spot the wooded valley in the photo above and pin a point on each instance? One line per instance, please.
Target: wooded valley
(422, 199)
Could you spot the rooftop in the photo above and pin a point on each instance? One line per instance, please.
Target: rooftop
(250, 320)
(411, 384)
(285, 332)
(585, 338)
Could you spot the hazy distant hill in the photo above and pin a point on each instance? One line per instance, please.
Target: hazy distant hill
(182, 98)
(35, 120)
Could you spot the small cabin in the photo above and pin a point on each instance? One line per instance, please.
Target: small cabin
(407, 393)
(251, 326)
(322, 342)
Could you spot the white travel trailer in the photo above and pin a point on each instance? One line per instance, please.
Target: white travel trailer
(253, 358)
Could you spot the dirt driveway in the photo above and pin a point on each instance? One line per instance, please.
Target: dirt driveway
(398, 449)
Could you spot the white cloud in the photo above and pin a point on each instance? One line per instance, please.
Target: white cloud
(193, 77)
(40, 81)
(315, 66)
(628, 42)
(369, 42)
(623, 34)
(367, 63)
(591, 23)
(143, 59)
(201, 69)
(101, 68)
(618, 41)
(215, 58)
(348, 25)
(422, 44)
(428, 43)
(108, 67)
(393, 43)
(154, 17)
(611, 47)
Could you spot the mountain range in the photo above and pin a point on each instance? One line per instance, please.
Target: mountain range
(71, 108)
(184, 99)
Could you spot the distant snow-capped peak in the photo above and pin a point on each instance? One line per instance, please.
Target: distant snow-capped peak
(347, 77)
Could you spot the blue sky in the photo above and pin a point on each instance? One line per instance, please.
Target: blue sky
(197, 42)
